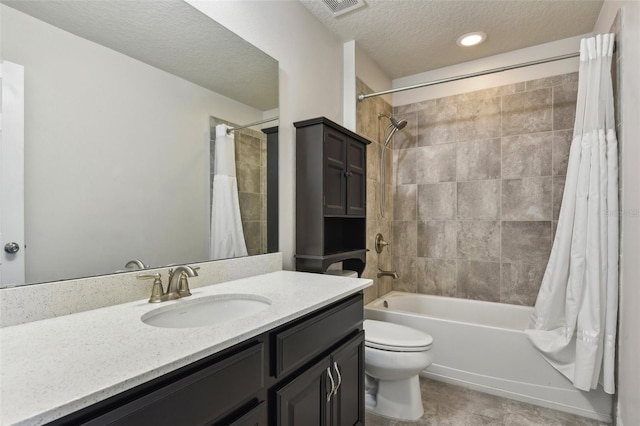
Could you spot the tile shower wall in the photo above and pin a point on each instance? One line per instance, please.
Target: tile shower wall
(372, 128)
(478, 181)
(251, 174)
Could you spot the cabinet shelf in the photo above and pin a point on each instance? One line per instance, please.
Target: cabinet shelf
(353, 260)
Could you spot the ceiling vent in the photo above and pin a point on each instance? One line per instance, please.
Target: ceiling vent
(340, 7)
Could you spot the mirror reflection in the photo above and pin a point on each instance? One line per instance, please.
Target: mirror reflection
(121, 99)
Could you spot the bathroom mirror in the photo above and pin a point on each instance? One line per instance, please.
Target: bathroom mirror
(119, 98)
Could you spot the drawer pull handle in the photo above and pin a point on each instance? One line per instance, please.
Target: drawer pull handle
(335, 367)
(333, 384)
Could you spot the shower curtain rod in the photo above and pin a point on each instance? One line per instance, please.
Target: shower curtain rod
(362, 96)
(231, 129)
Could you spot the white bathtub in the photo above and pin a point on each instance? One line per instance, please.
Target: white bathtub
(481, 345)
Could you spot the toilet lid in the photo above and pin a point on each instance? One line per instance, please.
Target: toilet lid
(395, 337)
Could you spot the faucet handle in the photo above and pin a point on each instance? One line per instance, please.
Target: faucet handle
(183, 286)
(157, 291)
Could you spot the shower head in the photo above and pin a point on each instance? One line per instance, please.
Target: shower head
(398, 124)
(394, 125)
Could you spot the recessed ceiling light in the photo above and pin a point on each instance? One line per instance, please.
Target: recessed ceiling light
(471, 39)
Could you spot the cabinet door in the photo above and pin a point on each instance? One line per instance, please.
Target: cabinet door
(356, 178)
(303, 401)
(348, 366)
(335, 165)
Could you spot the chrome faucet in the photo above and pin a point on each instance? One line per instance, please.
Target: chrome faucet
(178, 283)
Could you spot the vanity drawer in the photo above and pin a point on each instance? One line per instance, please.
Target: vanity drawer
(300, 343)
(256, 417)
(197, 399)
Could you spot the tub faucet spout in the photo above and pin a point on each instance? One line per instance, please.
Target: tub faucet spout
(392, 274)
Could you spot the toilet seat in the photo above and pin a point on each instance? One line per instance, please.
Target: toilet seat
(388, 336)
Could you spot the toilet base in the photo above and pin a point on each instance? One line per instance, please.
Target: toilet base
(398, 399)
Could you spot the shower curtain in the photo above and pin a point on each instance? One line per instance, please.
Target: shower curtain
(574, 323)
(227, 237)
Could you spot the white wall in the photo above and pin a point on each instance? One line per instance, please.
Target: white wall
(542, 51)
(371, 74)
(99, 161)
(358, 64)
(628, 410)
(349, 85)
(310, 79)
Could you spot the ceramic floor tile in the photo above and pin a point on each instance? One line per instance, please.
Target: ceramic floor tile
(450, 405)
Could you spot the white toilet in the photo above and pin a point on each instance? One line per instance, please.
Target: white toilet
(394, 355)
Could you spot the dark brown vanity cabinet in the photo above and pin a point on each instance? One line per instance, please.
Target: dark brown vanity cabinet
(331, 177)
(309, 371)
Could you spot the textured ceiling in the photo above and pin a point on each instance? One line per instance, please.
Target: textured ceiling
(172, 36)
(406, 37)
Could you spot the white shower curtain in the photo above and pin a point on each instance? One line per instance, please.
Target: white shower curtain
(574, 324)
(227, 237)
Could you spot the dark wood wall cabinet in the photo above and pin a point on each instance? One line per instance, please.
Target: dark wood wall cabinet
(331, 196)
(307, 372)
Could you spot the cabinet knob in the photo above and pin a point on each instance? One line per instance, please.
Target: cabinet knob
(348, 174)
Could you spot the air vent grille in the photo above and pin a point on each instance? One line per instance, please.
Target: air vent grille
(340, 7)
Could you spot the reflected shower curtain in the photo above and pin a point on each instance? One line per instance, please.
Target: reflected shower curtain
(227, 237)
(574, 323)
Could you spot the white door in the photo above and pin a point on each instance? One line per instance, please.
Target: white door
(12, 175)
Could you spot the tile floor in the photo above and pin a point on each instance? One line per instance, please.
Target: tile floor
(450, 405)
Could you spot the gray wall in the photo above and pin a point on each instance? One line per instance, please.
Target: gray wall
(478, 184)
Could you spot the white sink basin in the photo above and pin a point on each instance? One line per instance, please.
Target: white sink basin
(205, 311)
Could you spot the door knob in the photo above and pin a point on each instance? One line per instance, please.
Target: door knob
(12, 248)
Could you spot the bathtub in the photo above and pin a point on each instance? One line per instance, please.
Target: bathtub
(482, 346)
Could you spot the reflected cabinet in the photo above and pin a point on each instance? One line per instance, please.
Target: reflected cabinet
(331, 177)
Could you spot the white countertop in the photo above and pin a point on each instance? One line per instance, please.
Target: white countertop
(54, 367)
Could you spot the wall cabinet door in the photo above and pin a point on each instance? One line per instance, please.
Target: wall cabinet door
(344, 179)
(356, 179)
(335, 166)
